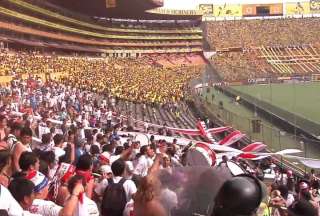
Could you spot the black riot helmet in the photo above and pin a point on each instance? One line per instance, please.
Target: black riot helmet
(239, 196)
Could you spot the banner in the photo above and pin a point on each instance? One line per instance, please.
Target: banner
(298, 8)
(315, 6)
(227, 10)
(207, 9)
(175, 12)
(233, 137)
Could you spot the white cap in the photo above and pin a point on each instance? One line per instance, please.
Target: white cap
(105, 156)
(105, 169)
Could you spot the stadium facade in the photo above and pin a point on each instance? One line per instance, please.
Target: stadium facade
(239, 8)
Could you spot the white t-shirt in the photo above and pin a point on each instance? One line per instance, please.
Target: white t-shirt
(52, 101)
(113, 101)
(87, 208)
(8, 203)
(109, 116)
(97, 114)
(82, 134)
(290, 200)
(113, 158)
(129, 209)
(63, 104)
(79, 118)
(45, 208)
(58, 152)
(104, 103)
(168, 199)
(85, 123)
(143, 165)
(129, 187)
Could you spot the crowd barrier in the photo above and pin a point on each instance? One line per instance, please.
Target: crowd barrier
(300, 122)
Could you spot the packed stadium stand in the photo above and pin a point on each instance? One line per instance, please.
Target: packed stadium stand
(99, 116)
(41, 24)
(264, 48)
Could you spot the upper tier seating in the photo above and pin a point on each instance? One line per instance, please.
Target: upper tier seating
(34, 7)
(248, 49)
(267, 62)
(268, 32)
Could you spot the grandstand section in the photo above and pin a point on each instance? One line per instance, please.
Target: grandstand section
(270, 67)
(88, 23)
(149, 79)
(44, 23)
(157, 107)
(262, 32)
(270, 48)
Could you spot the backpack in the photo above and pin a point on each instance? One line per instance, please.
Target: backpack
(114, 199)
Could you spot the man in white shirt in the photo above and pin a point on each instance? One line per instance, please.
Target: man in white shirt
(58, 146)
(104, 103)
(97, 114)
(32, 191)
(9, 204)
(144, 161)
(118, 169)
(85, 122)
(52, 102)
(109, 118)
(86, 206)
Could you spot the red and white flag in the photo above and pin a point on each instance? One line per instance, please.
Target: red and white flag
(232, 138)
(253, 147)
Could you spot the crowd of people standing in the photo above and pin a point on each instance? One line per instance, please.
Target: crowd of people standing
(133, 79)
(62, 154)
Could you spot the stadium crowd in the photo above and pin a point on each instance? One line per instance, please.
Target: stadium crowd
(266, 32)
(62, 153)
(238, 66)
(266, 63)
(249, 49)
(130, 79)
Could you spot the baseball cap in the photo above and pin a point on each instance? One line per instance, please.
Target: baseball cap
(105, 169)
(105, 157)
(39, 180)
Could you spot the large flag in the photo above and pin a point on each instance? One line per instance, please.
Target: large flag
(232, 138)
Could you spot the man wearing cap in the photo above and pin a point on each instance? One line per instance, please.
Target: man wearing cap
(106, 174)
(104, 158)
(32, 192)
(105, 169)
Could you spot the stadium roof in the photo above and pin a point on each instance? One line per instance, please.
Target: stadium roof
(134, 9)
